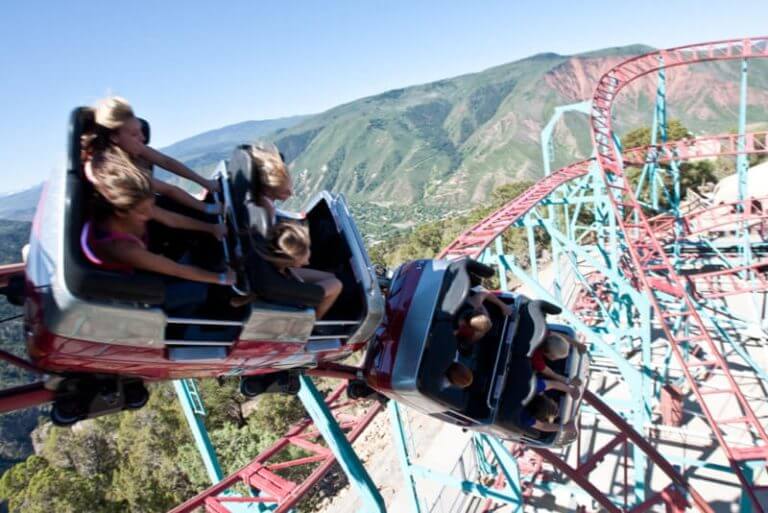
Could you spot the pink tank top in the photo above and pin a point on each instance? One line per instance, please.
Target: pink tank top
(93, 236)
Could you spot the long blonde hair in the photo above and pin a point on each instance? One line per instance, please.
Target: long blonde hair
(286, 242)
(108, 115)
(269, 170)
(119, 184)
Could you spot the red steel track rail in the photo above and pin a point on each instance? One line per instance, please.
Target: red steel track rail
(475, 239)
(652, 265)
(673, 497)
(264, 476)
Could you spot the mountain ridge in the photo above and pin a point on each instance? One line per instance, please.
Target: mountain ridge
(439, 147)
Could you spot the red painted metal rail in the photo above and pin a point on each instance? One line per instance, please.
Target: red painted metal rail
(475, 239)
(265, 476)
(673, 497)
(651, 263)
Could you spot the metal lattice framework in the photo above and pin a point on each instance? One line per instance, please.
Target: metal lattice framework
(625, 269)
(332, 419)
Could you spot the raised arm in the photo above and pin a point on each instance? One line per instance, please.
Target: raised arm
(551, 384)
(479, 297)
(139, 258)
(554, 376)
(171, 164)
(182, 197)
(549, 427)
(174, 220)
(493, 298)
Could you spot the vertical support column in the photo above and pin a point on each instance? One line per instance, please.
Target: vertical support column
(658, 127)
(642, 413)
(192, 406)
(534, 265)
(337, 442)
(498, 245)
(401, 443)
(742, 166)
(745, 502)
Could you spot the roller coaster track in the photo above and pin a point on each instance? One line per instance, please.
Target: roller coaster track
(475, 239)
(652, 273)
(654, 268)
(651, 265)
(671, 496)
(267, 472)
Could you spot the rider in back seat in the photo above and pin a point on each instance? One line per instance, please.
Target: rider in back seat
(270, 182)
(115, 125)
(115, 237)
(555, 346)
(473, 320)
(288, 249)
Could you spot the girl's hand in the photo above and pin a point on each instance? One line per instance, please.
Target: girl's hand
(574, 392)
(228, 278)
(212, 185)
(219, 230)
(575, 381)
(214, 208)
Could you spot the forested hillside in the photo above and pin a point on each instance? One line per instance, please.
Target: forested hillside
(15, 444)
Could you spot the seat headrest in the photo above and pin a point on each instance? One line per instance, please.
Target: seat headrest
(145, 129)
(241, 174)
(81, 121)
(458, 289)
(538, 311)
(464, 274)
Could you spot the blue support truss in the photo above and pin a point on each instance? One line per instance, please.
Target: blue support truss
(490, 455)
(194, 412)
(337, 442)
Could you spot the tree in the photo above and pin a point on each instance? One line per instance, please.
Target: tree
(642, 136)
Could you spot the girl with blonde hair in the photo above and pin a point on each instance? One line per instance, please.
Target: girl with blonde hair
(288, 249)
(270, 182)
(115, 125)
(115, 238)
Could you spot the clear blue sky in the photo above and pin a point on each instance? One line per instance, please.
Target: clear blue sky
(191, 66)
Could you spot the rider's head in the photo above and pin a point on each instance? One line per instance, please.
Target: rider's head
(115, 125)
(556, 346)
(122, 189)
(473, 324)
(270, 174)
(459, 375)
(543, 408)
(289, 245)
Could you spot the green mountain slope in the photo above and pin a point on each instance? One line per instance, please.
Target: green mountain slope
(445, 145)
(440, 148)
(204, 151)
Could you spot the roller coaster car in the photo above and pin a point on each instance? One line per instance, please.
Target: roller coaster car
(415, 345)
(103, 330)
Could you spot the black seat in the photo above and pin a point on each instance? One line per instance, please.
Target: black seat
(248, 213)
(517, 392)
(532, 325)
(271, 286)
(264, 280)
(439, 354)
(83, 279)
